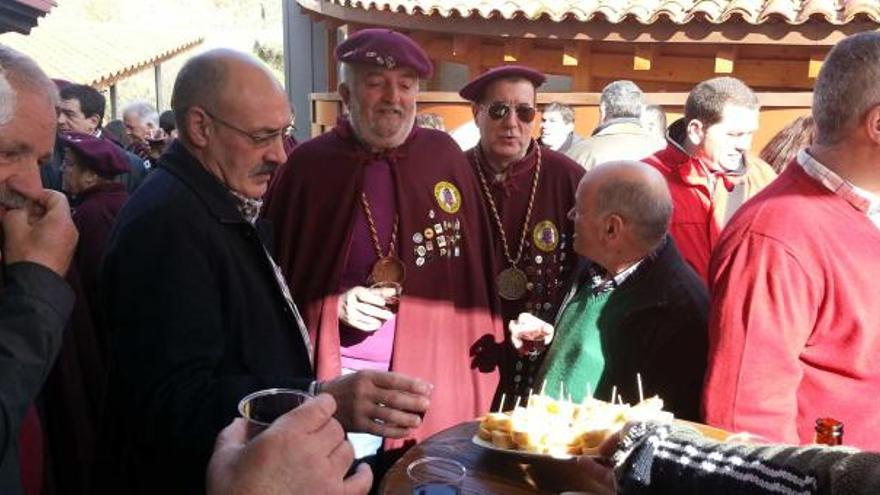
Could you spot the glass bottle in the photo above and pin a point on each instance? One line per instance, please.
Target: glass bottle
(829, 431)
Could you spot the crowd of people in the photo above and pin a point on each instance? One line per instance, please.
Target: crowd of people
(410, 285)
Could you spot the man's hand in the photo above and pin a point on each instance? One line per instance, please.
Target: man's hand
(42, 232)
(304, 451)
(599, 474)
(364, 309)
(379, 402)
(532, 328)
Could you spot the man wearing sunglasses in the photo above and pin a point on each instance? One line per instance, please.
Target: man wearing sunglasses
(527, 190)
(380, 230)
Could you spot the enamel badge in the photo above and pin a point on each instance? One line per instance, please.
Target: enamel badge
(448, 196)
(546, 236)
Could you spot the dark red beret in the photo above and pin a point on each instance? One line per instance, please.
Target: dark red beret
(99, 155)
(384, 48)
(474, 90)
(61, 83)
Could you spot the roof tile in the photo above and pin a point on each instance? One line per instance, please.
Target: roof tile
(644, 11)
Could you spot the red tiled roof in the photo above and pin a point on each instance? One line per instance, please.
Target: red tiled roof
(98, 54)
(835, 12)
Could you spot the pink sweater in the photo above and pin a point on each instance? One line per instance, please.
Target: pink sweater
(795, 324)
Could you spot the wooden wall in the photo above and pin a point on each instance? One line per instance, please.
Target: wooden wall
(778, 109)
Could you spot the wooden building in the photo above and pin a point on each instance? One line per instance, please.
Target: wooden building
(665, 46)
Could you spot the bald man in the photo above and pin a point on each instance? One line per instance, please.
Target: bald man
(633, 306)
(198, 312)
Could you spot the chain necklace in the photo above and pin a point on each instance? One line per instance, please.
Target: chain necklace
(512, 282)
(388, 267)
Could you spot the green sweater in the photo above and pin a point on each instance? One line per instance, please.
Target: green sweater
(575, 361)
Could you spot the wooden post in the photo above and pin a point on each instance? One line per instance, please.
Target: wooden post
(582, 78)
(114, 102)
(644, 57)
(157, 72)
(724, 60)
(816, 59)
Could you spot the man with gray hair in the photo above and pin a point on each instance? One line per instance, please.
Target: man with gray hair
(380, 230)
(37, 245)
(620, 135)
(633, 306)
(794, 277)
(220, 321)
(141, 122)
(708, 167)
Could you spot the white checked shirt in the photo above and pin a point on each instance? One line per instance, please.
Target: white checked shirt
(860, 199)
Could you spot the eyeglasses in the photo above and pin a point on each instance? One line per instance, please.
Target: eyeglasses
(499, 110)
(258, 138)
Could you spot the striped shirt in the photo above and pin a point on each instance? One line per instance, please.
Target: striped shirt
(859, 198)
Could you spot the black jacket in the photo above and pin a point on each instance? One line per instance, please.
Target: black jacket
(34, 307)
(656, 324)
(196, 320)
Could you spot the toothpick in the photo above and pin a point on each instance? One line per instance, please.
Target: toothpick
(589, 391)
(561, 390)
(641, 393)
(613, 393)
(501, 406)
(516, 404)
(544, 384)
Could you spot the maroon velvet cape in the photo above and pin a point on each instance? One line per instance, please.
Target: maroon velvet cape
(548, 256)
(448, 329)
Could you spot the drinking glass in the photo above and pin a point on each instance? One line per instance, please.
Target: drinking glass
(436, 476)
(263, 407)
(391, 292)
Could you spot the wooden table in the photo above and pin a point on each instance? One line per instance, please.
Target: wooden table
(488, 472)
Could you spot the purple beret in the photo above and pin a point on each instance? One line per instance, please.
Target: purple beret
(99, 155)
(474, 90)
(61, 83)
(384, 48)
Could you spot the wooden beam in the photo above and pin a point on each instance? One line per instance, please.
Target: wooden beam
(582, 78)
(463, 44)
(157, 76)
(511, 52)
(570, 55)
(644, 57)
(816, 59)
(724, 60)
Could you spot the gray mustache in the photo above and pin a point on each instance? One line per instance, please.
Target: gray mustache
(265, 168)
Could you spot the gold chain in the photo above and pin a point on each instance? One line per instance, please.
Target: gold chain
(392, 246)
(522, 242)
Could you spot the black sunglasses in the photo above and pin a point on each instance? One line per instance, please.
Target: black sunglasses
(499, 110)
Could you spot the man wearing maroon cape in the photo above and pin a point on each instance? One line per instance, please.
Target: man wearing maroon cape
(377, 200)
(528, 191)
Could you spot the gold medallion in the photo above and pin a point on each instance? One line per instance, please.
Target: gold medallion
(546, 236)
(388, 269)
(512, 283)
(448, 197)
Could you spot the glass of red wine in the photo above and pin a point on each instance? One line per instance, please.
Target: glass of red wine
(436, 476)
(532, 342)
(391, 291)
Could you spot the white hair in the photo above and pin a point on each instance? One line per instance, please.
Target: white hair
(17, 72)
(143, 111)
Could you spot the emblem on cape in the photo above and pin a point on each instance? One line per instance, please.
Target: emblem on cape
(546, 236)
(448, 196)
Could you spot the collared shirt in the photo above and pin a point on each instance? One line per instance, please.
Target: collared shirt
(859, 198)
(600, 282)
(249, 208)
(250, 211)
